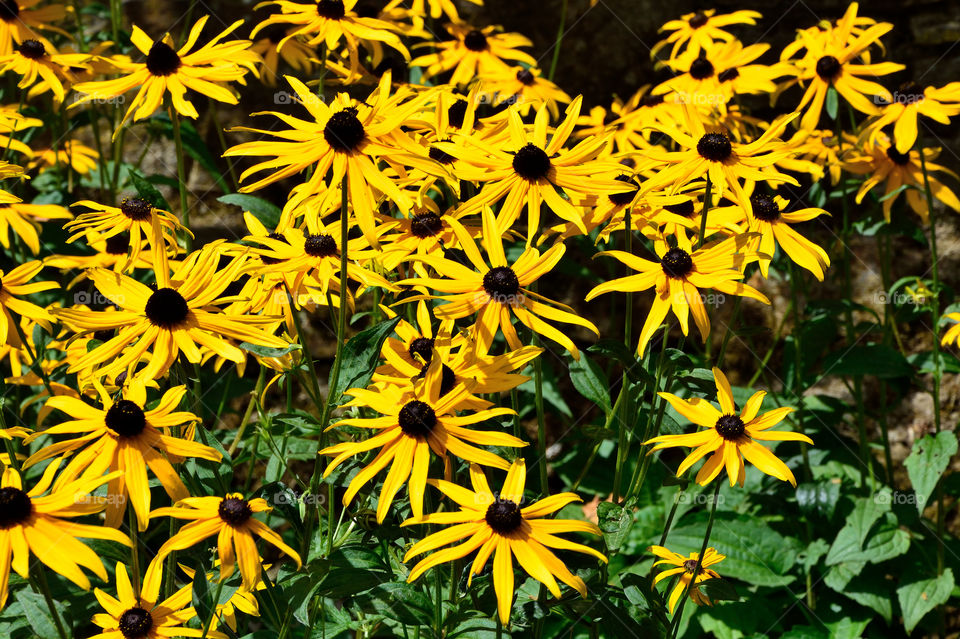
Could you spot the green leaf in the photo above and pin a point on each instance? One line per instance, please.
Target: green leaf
(920, 597)
(196, 147)
(870, 359)
(148, 191)
(818, 498)
(266, 351)
(857, 541)
(719, 590)
(615, 522)
(267, 212)
(590, 381)
(400, 601)
(360, 357)
(831, 103)
(38, 614)
(927, 461)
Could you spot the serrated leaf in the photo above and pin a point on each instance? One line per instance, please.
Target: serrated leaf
(920, 597)
(399, 601)
(927, 461)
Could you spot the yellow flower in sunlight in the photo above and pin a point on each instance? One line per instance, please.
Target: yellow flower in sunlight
(685, 568)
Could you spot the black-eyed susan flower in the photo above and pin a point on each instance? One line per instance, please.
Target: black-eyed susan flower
(882, 163)
(678, 277)
(20, 20)
(953, 333)
(910, 101)
(729, 437)
(500, 525)
(42, 68)
(415, 420)
(685, 567)
(123, 435)
(471, 52)
(133, 219)
(232, 519)
(330, 22)
(694, 31)
(171, 71)
(14, 285)
(24, 220)
(73, 153)
(179, 316)
(32, 522)
(721, 72)
(344, 138)
(524, 86)
(140, 614)
(499, 290)
(767, 218)
(243, 599)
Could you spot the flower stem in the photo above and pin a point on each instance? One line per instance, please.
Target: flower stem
(181, 175)
(696, 571)
(40, 578)
(561, 30)
(623, 443)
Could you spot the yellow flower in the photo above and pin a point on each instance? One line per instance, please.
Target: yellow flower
(729, 436)
(13, 286)
(472, 52)
(694, 31)
(33, 60)
(499, 525)
(685, 567)
(231, 519)
(23, 219)
(72, 153)
(19, 20)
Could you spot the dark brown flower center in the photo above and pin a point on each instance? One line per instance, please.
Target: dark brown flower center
(162, 60)
(422, 346)
(267, 259)
(125, 418)
(234, 511)
(321, 245)
(166, 308)
(9, 10)
(118, 244)
(331, 9)
(622, 199)
(531, 162)
(684, 208)
(698, 20)
(135, 208)
(135, 623)
(701, 68)
(417, 419)
(448, 379)
(456, 113)
(676, 263)
(475, 40)
(525, 77)
(715, 147)
(344, 131)
(728, 74)
(501, 284)
(32, 49)
(898, 158)
(690, 565)
(15, 507)
(426, 225)
(730, 427)
(764, 207)
(503, 516)
(828, 68)
(439, 155)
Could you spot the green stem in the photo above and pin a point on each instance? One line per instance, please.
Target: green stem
(559, 41)
(134, 546)
(696, 570)
(541, 424)
(44, 587)
(623, 443)
(213, 609)
(181, 175)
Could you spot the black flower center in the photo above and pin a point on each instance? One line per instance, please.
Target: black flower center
(898, 158)
(166, 308)
(135, 623)
(15, 507)
(268, 260)
(525, 77)
(764, 207)
(475, 40)
(118, 244)
(417, 419)
(701, 68)
(321, 245)
(728, 74)
(684, 208)
(234, 511)
(422, 346)
(162, 59)
(622, 199)
(426, 225)
(135, 208)
(651, 100)
(331, 9)
(448, 379)
(32, 49)
(439, 155)
(9, 10)
(828, 67)
(503, 516)
(125, 418)
(531, 162)
(344, 131)
(909, 93)
(714, 147)
(501, 284)
(676, 263)
(698, 20)
(456, 113)
(690, 565)
(730, 427)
